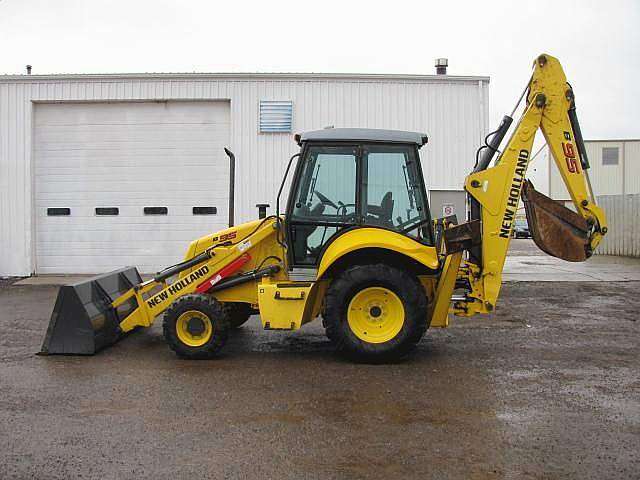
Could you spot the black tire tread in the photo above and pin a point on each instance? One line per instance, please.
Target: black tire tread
(208, 305)
(405, 285)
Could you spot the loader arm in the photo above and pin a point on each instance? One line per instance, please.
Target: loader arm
(494, 192)
(95, 313)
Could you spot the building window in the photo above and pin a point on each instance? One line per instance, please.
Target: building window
(56, 212)
(204, 210)
(156, 210)
(107, 210)
(276, 116)
(609, 155)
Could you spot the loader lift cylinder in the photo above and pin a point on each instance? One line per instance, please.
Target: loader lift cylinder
(180, 267)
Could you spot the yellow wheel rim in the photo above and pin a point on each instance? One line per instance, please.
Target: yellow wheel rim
(375, 315)
(194, 328)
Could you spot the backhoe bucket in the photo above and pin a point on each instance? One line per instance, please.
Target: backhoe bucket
(83, 320)
(558, 231)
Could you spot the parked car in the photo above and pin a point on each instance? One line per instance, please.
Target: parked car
(521, 229)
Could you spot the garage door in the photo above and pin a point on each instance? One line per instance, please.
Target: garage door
(121, 184)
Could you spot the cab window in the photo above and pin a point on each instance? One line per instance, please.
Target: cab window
(392, 192)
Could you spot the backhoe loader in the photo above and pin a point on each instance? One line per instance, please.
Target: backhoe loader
(356, 244)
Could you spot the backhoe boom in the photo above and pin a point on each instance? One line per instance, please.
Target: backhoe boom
(494, 192)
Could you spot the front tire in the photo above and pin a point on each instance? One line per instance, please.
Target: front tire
(375, 312)
(196, 327)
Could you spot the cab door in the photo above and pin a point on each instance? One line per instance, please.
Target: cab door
(324, 199)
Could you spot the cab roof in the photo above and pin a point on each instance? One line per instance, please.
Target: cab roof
(373, 135)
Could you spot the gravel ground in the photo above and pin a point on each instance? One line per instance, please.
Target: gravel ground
(547, 387)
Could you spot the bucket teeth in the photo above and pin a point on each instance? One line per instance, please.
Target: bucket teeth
(83, 320)
(556, 230)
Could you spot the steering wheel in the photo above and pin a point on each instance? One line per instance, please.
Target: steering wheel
(325, 200)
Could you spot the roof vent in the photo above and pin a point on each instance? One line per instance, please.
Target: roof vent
(28, 69)
(441, 66)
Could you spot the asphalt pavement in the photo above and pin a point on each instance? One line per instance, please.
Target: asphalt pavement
(546, 387)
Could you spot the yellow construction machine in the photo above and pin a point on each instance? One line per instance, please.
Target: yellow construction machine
(356, 244)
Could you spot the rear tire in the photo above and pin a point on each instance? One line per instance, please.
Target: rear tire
(196, 327)
(375, 312)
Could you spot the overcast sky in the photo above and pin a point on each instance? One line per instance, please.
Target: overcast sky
(598, 42)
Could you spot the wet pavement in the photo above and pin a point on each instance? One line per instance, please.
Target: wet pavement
(547, 387)
(526, 263)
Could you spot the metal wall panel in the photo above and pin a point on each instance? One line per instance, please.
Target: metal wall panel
(453, 111)
(448, 202)
(623, 217)
(632, 167)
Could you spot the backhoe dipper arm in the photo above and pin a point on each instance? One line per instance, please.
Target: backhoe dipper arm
(495, 192)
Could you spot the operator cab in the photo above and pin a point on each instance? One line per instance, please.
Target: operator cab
(354, 177)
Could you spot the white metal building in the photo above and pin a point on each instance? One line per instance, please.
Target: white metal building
(614, 169)
(615, 177)
(103, 171)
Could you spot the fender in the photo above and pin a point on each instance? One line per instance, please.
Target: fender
(367, 237)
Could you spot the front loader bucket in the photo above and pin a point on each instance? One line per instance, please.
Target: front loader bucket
(558, 231)
(83, 320)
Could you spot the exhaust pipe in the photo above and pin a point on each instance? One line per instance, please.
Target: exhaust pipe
(232, 184)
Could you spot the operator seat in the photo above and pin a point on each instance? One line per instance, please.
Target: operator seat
(382, 215)
(386, 207)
